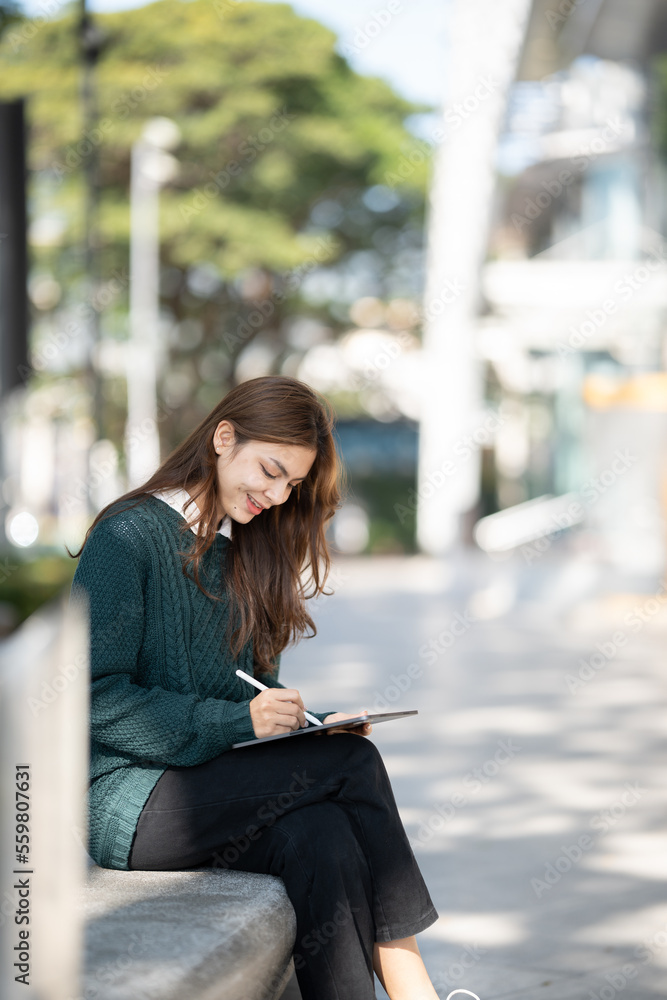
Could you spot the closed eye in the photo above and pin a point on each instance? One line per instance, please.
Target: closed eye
(269, 476)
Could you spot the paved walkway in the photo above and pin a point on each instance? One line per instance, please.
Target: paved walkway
(532, 783)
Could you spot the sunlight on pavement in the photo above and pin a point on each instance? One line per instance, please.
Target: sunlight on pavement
(641, 855)
(487, 929)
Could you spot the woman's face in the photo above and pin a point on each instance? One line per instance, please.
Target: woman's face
(260, 475)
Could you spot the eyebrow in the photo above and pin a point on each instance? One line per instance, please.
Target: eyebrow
(299, 479)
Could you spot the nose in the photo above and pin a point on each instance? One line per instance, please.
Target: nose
(277, 494)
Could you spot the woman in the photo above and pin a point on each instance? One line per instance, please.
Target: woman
(201, 571)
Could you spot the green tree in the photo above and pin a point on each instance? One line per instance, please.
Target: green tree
(288, 162)
(10, 13)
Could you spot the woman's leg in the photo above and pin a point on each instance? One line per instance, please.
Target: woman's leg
(401, 971)
(316, 854)
(225, 812)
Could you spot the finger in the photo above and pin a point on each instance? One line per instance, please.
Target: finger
(288, 694)
(293, 720)
(362, 729)
(289, 708)
(292, 708)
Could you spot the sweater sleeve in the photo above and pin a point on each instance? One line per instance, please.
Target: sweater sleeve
(146, 723)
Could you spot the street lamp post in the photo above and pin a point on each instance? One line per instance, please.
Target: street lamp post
(151, 167)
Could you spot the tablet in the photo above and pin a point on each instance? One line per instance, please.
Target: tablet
(358, 720)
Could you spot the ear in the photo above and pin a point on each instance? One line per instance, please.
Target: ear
(223, 436)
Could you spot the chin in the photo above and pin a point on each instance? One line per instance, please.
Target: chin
(238, 512)
(240, 516)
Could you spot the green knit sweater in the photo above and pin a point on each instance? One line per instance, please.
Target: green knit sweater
(163, 684)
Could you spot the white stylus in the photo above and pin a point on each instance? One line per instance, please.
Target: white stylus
(263, 687)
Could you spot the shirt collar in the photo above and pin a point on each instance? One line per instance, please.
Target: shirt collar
(177, 498)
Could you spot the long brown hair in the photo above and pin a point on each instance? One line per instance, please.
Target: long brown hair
(277, 562)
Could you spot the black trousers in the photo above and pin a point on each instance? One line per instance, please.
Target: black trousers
(319, 812)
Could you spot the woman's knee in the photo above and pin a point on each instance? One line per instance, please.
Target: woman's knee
(363, 759)
(320, 832)
(359, 748)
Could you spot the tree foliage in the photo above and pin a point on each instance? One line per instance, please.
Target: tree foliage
(10, 13)
(283, 165)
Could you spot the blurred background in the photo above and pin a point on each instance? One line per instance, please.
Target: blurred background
(448, 216)
(459, 244)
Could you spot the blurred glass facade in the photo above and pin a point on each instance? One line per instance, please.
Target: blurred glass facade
(571, 330)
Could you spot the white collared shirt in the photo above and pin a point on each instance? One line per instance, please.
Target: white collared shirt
(177, 498)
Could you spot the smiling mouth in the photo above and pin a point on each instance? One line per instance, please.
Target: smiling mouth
(254, 503)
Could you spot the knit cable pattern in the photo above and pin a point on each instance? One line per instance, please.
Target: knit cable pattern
(150, 702)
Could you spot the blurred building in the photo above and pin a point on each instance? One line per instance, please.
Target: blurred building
(569, 325)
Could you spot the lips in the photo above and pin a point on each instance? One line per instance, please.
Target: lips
(254, 504)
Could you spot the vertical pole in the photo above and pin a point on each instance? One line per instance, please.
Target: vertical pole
(486, 39)
(90, 46)
(13, 248)
(14, 316)
(142, 441)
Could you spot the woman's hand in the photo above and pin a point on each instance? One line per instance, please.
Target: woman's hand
(276, 711)
(360, 729)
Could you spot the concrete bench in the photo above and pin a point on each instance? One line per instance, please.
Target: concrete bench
(204, 934)
(96, 934)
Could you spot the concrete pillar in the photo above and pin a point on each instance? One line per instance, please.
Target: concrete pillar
(44, 758)
(481, 59)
